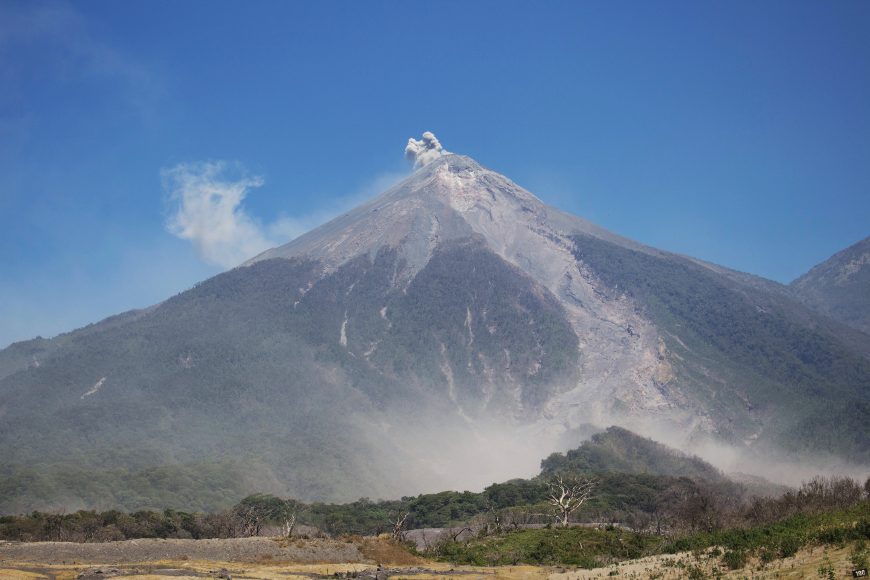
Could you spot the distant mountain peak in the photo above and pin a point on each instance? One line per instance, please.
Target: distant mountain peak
(842, 266)
(840, 286)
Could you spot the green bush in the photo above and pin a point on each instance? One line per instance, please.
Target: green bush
(766, 555)
(734, 559)
(789, 545)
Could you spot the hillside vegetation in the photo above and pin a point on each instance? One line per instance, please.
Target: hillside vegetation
(639, 481)
(840, 286)
(649, 500)
(250, 364)
(618, 450)
(591, 548)
(755, 355)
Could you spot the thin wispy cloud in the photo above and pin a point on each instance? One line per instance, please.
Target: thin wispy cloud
(64, 48)
(207, 209)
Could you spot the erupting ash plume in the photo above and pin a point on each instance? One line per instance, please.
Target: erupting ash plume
(423, 151)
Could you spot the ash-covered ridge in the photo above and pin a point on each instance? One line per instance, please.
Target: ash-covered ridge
(449, 198)
(453, 198)
(630, 368)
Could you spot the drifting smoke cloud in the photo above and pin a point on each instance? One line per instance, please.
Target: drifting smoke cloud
(775, 466)
(207, 202)
(207, 209)
(208, 212)
(424, 151)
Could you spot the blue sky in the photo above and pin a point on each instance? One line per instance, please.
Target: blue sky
(738, 132)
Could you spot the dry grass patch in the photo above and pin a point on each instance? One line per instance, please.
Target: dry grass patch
(807, 563)
(388, 552)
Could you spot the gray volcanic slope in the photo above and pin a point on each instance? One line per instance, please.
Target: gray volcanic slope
(448, 333)
(840, 286)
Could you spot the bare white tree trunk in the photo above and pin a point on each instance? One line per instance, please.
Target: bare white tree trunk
(288, 524)
(567, 495)
(399, 526)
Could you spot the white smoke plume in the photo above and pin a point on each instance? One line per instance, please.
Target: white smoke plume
(207, 209)
(208, 212)
(424, 151)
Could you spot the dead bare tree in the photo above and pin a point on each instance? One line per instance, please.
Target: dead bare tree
(250, 519)
(487, 522)
(287, 515)
(399, 526)
(566, 495)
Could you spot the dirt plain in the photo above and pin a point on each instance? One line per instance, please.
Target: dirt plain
(358, 558)
(150, 550)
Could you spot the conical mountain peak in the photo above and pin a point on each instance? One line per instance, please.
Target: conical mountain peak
(455, 319)
(462, 181)
(452, 196)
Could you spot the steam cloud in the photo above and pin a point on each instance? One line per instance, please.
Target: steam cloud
(424, 151)
(207, 209)
(208, 212)
(207, 200)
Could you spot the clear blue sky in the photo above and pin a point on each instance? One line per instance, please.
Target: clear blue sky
(738, 132)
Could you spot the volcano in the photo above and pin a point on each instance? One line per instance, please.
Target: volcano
(449, 332)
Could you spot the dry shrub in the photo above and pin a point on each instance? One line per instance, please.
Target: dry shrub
(388, 552)
(284, 542)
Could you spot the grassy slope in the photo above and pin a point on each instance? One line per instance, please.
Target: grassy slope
(588, 548)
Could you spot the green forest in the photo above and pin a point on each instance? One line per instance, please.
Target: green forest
(646, 499)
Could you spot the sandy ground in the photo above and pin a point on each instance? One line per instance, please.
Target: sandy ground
(362, 559)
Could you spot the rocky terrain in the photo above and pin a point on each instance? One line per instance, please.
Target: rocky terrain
(151, 550)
